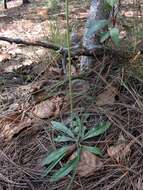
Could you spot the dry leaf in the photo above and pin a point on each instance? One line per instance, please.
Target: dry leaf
(42, 12)
(4, 56)
(88, 163)
(120, 150)
(107, 96)
(55, 70)
(12, 126)
(37, 85)
(49, 108)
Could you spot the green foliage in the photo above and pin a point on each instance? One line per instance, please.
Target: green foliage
(98, 27)
(114, 33)
(61, 127)
(95, 26)
(65, 170)
(63, 139)
(77, 134)
(55, 155)
(52, 165)
(94, 150)
(98, 130)
(112, 2)
(104, 36)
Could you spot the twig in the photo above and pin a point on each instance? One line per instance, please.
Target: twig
(30, 43)
(78, 52)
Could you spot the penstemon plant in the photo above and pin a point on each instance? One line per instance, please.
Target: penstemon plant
(76, 135)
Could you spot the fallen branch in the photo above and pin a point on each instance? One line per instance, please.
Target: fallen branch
(99, 51)
(30, 43)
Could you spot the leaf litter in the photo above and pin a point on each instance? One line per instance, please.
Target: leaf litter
(88, 164)
(120, 150)
(21, 158)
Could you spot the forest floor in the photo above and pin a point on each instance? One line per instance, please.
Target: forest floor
(34, 92)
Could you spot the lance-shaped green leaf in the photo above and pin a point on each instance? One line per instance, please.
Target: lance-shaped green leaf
(104, 37)
(62, 138)
(52, 165)
(78, 122)
(93, 26)
(93, 149)
(55, 155)
(106, 6)
(61, 127)
(76, 130)
(83, 132)
(80, 127)
(65, 170)
(114, 33)
(97, 130)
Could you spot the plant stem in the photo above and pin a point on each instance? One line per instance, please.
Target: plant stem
(75, 169)
(69, 59)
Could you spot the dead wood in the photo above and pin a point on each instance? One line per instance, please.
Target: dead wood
(99, 51)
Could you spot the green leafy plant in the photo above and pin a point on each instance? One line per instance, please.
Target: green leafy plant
(96, 26)
(99, 26)
(76, 135)
(112, 2)
(114, 33)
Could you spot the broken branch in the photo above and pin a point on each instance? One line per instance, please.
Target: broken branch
(31, 43)
(99, 51)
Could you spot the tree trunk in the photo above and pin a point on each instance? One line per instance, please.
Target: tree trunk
(5, 4)
(26, 1)
(96, 13)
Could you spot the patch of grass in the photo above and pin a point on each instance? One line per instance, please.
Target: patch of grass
(57, 35)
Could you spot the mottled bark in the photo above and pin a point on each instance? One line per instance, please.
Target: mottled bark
(26, 1)
(5, 2)
(96, 13)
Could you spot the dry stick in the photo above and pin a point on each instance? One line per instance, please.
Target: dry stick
(31, 43)
(81, 51)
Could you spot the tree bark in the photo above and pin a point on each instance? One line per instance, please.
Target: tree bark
(74, 52)
(23, 2)
(5, 4)
(96, 13)
(26, 1)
